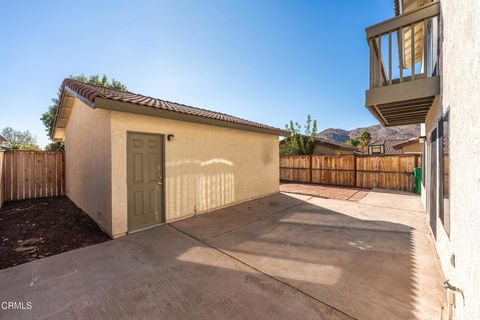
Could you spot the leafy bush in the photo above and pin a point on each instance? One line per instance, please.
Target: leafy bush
(299, 143)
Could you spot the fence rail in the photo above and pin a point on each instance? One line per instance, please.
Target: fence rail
(31, 174)
(364, 171)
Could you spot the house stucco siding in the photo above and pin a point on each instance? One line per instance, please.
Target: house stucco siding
(460, 76)
(412, 148)
(325, 150)
(206, 167)
(87, 162)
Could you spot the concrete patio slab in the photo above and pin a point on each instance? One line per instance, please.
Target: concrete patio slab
(159, 273)
(393, 199)
(212, 224)
(282, 256)
(370, 261)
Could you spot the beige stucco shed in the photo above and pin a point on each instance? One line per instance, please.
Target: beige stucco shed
(134, 161)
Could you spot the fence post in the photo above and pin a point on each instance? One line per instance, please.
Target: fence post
(64, 186)
(310, 179)
(354, 170)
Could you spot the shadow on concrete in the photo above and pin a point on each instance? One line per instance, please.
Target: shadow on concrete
(366, 268)
(158, 273)
(272, 258)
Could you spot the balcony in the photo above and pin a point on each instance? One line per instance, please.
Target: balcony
(404, 75)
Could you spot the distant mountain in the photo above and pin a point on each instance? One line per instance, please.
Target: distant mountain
(377, 132)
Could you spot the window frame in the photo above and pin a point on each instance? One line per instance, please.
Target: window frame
(444, 139)
(378, 147)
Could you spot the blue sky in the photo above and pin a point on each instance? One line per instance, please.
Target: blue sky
(267, 61)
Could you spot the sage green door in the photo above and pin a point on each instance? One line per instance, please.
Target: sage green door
(144, 180)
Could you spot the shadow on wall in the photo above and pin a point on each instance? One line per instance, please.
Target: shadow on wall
(365, 268)
(195, 186)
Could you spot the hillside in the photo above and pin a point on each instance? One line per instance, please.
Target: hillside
(377, 132)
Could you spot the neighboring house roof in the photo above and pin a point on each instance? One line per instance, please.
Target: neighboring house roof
(336, 145)
(400, 145)
(101, 97)
(2, 139)
(388, 145)
(329, 143)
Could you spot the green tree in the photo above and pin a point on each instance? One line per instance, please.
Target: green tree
(55, 146)
(365, 138)
(299, 143)
(362, 140)
(19, 140)
(48, 118)
(353, 142)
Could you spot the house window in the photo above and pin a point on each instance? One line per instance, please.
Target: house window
(376, 149)
(444, 146)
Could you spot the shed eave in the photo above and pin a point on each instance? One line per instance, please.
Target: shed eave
(126, 107)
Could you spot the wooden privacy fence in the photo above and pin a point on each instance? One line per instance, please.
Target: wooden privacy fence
(365, 171)
(31, 174)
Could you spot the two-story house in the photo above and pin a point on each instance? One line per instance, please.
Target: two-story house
(425, 68)
(393, 147)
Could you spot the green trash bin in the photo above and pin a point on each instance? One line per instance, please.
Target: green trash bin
(417, 173)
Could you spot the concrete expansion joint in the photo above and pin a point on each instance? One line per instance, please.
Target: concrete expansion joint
(262, 272)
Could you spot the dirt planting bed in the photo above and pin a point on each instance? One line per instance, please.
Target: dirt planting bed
(37, 228)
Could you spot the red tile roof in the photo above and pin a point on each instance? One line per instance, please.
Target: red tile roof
(396, 7)
(336, 144)
(90, 92)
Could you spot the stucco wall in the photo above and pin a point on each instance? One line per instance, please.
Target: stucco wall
(323, 149)
(87, 162)
(412, 148)
(460, 71)
(206, 167)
